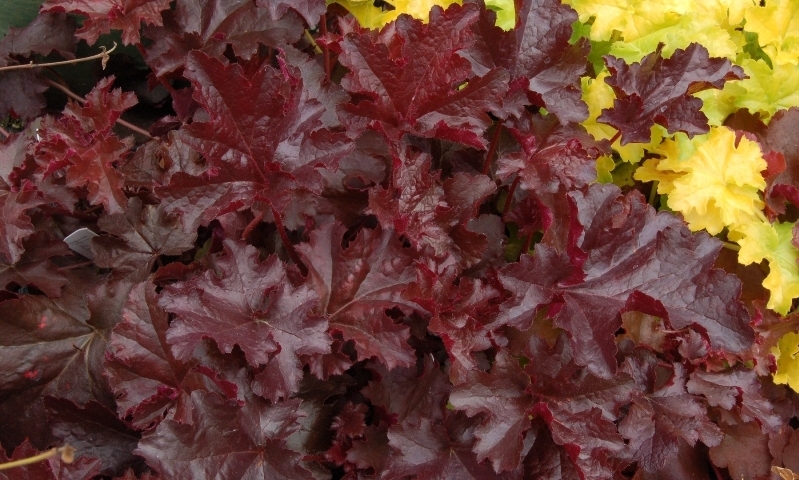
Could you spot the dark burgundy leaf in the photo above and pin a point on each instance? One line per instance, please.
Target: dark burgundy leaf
(459, 313)
(139, 237)
(501, 397)
(623, 256)
(657, 424)
(658, 90)
(106, 15)
(738, 389)
(142, 371)
(53, 347)
(310, 10)
(212, 25)
(47, 32)
(34, 268)
(80, 142)
(22, 94)
(416, 88)
(419, 207)
(359, 284)
(779, 137)
(94, 431)
(544, 68)
(224, 438)
(241, 301)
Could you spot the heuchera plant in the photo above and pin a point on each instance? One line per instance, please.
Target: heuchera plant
(334, 251)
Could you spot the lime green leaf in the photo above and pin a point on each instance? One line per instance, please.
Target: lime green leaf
(787, 364)
(765, 241)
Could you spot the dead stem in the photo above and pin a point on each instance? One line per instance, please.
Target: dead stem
(67, 456)
(104, 56)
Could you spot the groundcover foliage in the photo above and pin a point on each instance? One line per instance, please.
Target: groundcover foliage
(414, 251)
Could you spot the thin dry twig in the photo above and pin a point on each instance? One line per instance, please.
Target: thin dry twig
(67, 456)
(104, 56)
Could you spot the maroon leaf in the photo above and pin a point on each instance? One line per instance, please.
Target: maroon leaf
(106, 15)
(244, 302)
(53, 347)
(778, 138)
(94, 431)
(544, 68)
(419, 207)
(622, 256)
(658, 90)
(47, 32)
(359, 284)
(309, 9)
(80, 142)
(502, 398)
(34, 268)
(140, 236)
(737, 390)
(658, 424)
(141, 368)
(743, 451)
(246, 441)
(415, 87)
(210, 26)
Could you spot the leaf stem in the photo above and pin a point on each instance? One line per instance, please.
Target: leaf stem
(4, 132)
(251, 226)
(615, 137)
(326, 51)
(653, 193)
(492, 147)
(82, 100)
(67, 455)
(312, 42)
(731, 246)
(104, 56)
(527, 242)
(511, 192)
(284, 238)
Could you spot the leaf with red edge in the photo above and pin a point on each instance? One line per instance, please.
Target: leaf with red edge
(359, 284)
(622, 256)
(310, 10)
(142, 371)
(241, 301)
(659, 91)
(545, 69)
(225, 439)
(106, 15)
(50, 469)
(501, 396)
(415, 87)
(81, 143)
(139, 237)
(210, 26)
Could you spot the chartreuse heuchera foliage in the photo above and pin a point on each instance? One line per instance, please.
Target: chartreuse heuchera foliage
(402, 239)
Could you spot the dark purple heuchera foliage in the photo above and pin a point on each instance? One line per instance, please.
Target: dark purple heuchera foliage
(384, 260)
